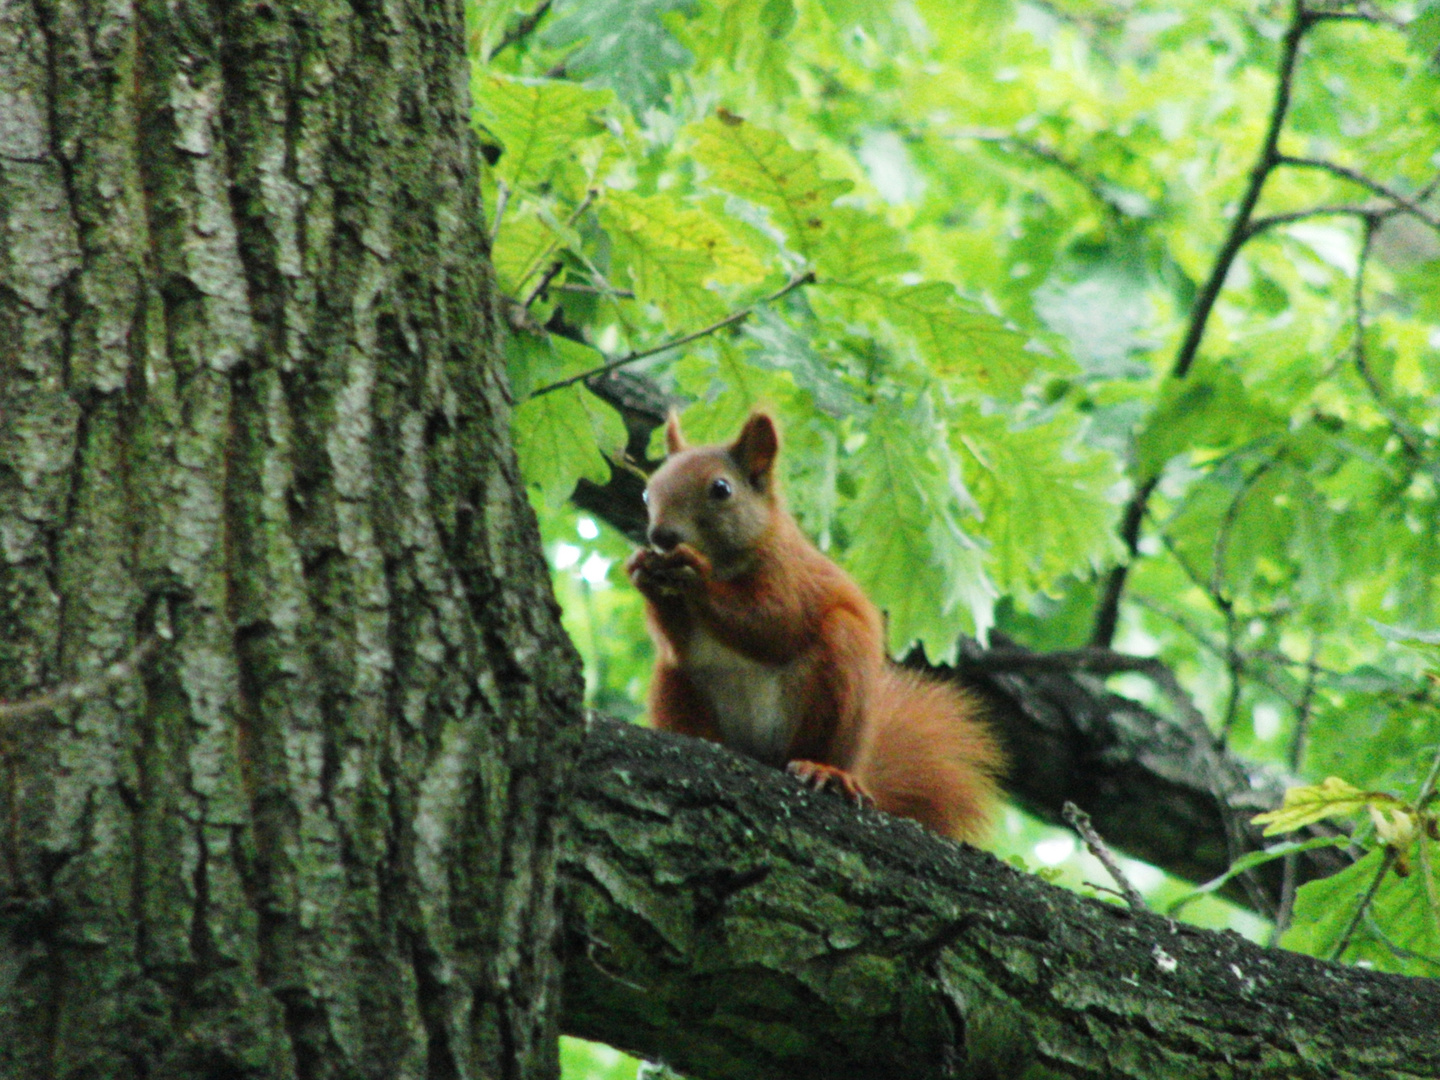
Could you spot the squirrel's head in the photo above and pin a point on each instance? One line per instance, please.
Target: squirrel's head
(721, 500)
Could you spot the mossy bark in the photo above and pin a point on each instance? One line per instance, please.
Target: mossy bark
(726, 920)
(251, 408)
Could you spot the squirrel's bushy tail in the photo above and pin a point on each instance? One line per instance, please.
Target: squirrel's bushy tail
(930, 755)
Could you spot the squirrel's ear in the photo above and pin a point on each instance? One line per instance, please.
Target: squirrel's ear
(674, 437)
(756, 448)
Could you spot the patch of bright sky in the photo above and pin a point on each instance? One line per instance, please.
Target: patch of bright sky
(1266, 721)
(594, 569)
(888, 165)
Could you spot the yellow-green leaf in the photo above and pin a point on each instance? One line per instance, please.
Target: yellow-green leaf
(537, 122)
(523, 240)
(563, 435)
(1315, 802)
(761, 166)
(960, 338)
(673, 251)
(854, 247)
(1046, 501)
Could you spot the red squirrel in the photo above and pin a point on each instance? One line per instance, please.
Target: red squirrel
(766, 646)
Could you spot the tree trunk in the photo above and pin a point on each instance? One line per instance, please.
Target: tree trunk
(253, 422)
(725, 919)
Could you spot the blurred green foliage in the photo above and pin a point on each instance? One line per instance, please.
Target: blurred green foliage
(1011, 210)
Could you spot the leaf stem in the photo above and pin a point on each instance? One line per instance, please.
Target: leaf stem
(535, 264)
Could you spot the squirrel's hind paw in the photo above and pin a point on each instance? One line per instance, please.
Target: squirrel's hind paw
(822, 777)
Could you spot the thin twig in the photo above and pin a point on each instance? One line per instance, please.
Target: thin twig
(1252, 668)
(594, 290)
(1385, 864)
(1288, 883)
(685, 339)
(1107, 616)
(1360, 13)
(1307, 702)
(519, 30)
(1048, 154)
(1234, 662)
(1356, 177)
(80, 690)
(1286, 912)
(1080, 822)
(535, 264)
(1270, 221)
(1412, 439)
(544, 283)
(1374, 928)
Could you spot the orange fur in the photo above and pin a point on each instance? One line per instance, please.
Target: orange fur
(765, 645)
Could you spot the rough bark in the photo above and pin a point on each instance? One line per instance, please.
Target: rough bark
(251, 409)
(724, 919)
(1156, 787)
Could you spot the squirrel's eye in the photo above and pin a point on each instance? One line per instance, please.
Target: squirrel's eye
(645, 496)
(720, 489)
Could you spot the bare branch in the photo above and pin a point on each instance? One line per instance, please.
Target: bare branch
(1270, 221)
(1410, 437)
(1107, 614)
(1080, 822)
(1355, 177)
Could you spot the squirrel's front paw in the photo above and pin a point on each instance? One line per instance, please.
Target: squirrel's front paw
(667, 573)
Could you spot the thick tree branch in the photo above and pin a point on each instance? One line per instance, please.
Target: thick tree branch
(1158, 788)
(722, 918)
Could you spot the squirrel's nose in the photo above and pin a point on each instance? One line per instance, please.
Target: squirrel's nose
(664, 538)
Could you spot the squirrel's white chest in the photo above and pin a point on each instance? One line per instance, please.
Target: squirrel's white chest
(754, 703)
